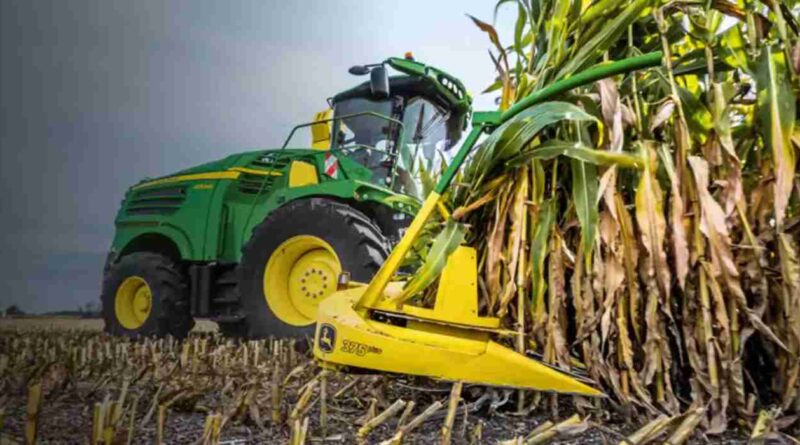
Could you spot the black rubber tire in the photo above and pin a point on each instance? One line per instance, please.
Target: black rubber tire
(169, 313)
(356, 239)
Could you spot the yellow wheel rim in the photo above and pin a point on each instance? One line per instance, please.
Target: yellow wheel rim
(133, 302)
(301, 273)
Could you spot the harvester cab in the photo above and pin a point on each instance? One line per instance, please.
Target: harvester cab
(397, 126)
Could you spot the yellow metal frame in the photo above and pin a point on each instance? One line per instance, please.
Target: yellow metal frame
(435, 350)
(133, 302)
(456, 298)
(321, 131)
(449, 341)
(299, 274)
(374, 290)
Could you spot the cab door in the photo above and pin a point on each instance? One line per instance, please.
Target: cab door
(422, 146)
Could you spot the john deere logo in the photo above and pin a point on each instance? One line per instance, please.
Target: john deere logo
(327, 338)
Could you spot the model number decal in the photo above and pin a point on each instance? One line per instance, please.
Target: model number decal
(359, 349)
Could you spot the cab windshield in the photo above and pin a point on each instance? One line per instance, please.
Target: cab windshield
(370, 140)
(424, 143)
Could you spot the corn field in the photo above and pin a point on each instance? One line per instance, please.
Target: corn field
(646, 228)
(80, 386)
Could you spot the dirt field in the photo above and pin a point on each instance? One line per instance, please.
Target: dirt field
(260, 391)
(70, 323)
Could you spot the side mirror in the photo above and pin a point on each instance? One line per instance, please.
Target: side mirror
(379, 82)
(358, 70)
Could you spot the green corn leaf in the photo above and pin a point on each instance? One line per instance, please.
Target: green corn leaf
(596, 13)
(538, 183)
(514, 135)
(584, 195)
(697, 115)
(522, 86)
(603, 39)
(519, 28)
(536, 9)
(541, 234)
(556, 24)
(575, 150)
(732, 49)
(427, 181)
(496, 86)
(445, 243)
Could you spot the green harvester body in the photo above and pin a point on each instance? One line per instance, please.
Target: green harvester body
(201, 217)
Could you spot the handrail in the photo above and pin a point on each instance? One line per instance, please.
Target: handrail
(347, 116)
(363, 147)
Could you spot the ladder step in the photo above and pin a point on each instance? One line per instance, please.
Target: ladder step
(230, 318)
(226, 300)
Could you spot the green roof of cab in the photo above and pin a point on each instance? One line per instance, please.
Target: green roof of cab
(449, 86)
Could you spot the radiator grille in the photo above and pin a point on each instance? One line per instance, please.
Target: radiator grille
(156, 201)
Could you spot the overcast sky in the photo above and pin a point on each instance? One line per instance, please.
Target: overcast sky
(98, 94)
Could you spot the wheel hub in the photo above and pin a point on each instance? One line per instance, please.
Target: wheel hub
(132, 302)
(313, 276)
(299, 274)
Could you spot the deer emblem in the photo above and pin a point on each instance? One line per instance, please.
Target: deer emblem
(327, 338)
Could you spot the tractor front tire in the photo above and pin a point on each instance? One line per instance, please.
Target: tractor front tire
(145, 294)
(293, 259)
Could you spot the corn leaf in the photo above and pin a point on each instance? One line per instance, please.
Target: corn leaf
(443, 245)
(510, 138)
(584, 194)
(776, 118)
(539, 240)
(577, 151)
(698, 118)
(490, 31)
(600, 42)
(497, 85)
(650, 217)
(519, 27)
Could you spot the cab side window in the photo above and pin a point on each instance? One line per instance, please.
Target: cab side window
(424, 139)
